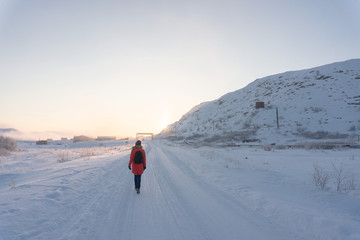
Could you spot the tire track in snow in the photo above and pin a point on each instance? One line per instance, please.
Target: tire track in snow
(96, 217)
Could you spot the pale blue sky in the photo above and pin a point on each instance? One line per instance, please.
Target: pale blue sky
(119, 67)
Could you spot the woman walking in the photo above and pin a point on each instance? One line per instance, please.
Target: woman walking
(138, 163)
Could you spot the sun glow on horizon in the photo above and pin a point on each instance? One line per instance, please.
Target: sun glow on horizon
(164, 123)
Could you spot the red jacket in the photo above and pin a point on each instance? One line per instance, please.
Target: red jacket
(137, 169)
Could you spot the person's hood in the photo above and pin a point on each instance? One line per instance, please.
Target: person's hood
(137, 146)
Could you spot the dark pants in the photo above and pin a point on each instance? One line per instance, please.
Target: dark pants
(137, 179)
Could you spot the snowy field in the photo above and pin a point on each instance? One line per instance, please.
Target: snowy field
(85, 191)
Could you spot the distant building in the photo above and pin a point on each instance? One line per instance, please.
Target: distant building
(105, 138)
(82, 138)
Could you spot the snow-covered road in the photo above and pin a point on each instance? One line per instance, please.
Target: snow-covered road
(176, 203)
(184, 195)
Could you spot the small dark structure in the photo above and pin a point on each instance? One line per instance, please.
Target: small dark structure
(250, 140)
(260, 105)
(41, 142)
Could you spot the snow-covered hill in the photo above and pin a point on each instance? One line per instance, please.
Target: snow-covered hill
(318, 103)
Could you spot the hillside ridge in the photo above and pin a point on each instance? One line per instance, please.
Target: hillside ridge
(317, 103)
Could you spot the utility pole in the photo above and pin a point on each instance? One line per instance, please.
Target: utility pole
(277, 118)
